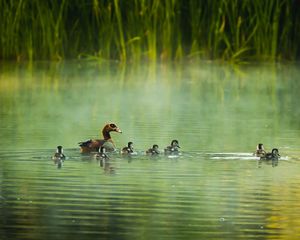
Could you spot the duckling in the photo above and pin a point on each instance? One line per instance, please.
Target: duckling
(260, 151)
(101, 155)
(173, 148)
(128, 149)
(94, 144)
(153, 151)
(58, 155)
(274, 155)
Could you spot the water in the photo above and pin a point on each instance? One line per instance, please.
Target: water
(215, 189)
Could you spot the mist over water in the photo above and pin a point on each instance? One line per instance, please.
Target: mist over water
(214, 189)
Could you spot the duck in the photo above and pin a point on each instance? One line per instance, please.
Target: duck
(260, 151)
(153, 151)
(93, 145)
(128, 149)
(58, 155)
(274, 155)
(173, 148)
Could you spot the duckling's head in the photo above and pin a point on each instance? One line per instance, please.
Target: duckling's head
(260, 146)
(130, 145)
(175, 143)
(275, 152)
(59, 149)
(111, 127)
(155, 148)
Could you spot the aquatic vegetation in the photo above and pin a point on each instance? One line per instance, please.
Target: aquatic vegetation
(132, 31)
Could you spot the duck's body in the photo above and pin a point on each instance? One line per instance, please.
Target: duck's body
(274, 155)
(173, 148)
(260, 151)
(153, 151)
(93, 145)
(128, 149)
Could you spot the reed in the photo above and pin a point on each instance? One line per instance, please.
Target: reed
(137, 30)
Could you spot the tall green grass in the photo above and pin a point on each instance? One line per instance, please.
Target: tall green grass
(136, 30)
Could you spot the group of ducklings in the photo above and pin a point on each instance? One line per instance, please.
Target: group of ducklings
(260, 152)
(154, 150)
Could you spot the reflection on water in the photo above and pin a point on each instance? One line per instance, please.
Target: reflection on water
(194, 195)
(214, 189)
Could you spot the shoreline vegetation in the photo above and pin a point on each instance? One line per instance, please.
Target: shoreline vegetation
(139, 30)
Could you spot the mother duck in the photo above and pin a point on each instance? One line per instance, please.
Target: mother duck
(93, 145)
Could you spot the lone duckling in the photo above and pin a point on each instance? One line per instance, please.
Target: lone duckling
(260, 151)
(128, 149)
(274, 155)
(173, 148)
(153, 151)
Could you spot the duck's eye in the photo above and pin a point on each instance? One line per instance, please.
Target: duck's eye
(112, 125)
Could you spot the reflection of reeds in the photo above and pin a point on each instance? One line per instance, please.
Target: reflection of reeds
(136, 30)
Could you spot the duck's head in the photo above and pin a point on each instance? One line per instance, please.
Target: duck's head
(175, 143)
(275, 152)
(111, 127)
(260, 146)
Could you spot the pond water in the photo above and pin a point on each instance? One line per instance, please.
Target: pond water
(215, 188)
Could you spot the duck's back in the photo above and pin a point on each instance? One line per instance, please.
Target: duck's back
(91, 145)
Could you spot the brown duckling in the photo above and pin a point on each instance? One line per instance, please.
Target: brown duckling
(260, 151)
(128, 149)
(153, 151)
(94, 144)
(173, 148)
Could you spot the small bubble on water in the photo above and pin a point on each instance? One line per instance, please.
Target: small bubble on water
(222, 219)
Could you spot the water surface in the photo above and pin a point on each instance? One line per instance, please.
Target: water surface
(215, 189)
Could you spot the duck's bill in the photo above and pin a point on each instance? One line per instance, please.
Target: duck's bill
(118, 130)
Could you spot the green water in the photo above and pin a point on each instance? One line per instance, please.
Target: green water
(215, 189)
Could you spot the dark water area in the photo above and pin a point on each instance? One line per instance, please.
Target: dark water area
(214, 189)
